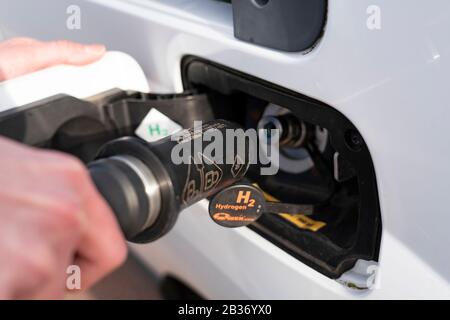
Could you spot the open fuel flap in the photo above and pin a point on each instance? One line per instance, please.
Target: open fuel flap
(324, 161)
(323, 158)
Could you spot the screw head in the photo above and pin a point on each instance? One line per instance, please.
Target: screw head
(354, 140)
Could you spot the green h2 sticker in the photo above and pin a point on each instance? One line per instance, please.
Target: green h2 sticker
(156, 130)
(156, 126)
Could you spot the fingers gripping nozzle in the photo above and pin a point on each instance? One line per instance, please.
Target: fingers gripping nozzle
(148, 184)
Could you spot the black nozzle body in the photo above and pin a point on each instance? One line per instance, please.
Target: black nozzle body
(148, 184)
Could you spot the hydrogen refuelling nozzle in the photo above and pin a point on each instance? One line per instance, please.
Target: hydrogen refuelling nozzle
(148, 184)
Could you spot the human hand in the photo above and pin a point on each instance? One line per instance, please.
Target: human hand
(19, 56)
(51, 216)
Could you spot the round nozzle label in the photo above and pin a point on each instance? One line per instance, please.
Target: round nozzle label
(237, 206)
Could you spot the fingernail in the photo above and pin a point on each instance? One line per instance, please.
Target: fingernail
(96, 49)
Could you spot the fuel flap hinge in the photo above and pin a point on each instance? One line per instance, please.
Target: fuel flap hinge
(361, 277)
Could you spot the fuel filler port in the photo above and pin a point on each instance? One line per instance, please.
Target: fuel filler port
(323, 164)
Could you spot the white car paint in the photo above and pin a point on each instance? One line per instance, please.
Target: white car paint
(391, 83)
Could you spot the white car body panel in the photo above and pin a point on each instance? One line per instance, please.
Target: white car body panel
(391, 83)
